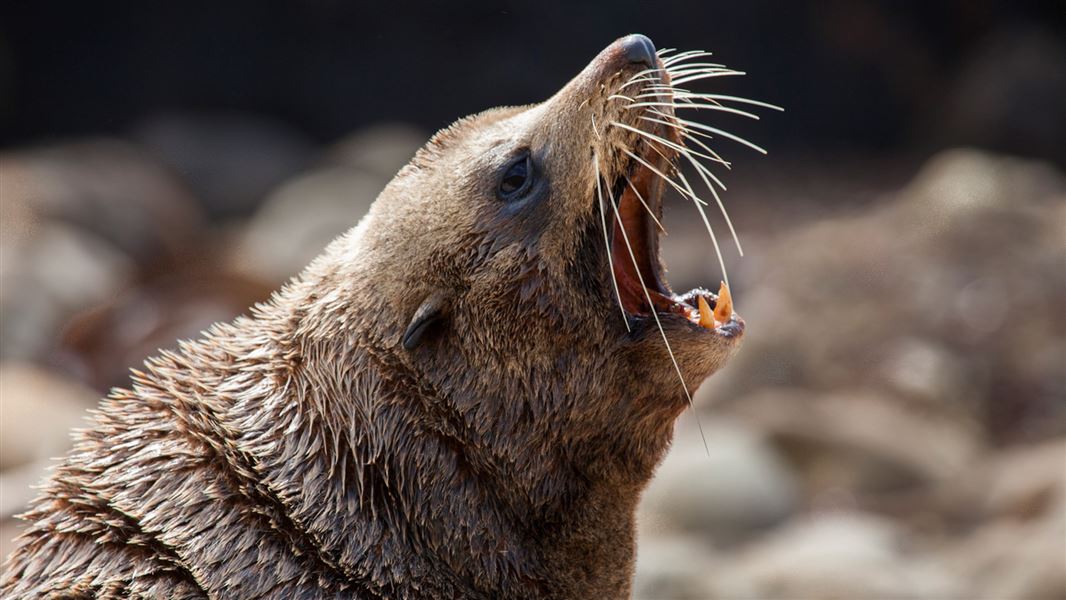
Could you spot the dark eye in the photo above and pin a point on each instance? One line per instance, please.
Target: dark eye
(517, 178)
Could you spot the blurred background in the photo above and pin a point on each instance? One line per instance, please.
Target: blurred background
(894, 425)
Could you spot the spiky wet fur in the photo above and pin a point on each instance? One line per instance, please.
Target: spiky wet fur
(301, 452)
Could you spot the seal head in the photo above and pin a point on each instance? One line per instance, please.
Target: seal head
(464, 396)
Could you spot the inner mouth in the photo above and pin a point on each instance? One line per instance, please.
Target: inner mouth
(640, 276)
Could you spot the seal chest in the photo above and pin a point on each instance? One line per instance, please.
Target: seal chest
(462, 397)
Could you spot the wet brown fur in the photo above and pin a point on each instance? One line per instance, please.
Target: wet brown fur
(302, 452)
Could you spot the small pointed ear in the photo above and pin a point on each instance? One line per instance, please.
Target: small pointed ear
(432, 310)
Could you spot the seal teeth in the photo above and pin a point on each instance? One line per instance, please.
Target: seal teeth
(723, 309)
(706, 317)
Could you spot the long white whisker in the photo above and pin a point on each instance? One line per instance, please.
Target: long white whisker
(697, 65)
(695, 106)
(703, 172)
(667, 179)
(688, 78)
(606, 239)
(645, 72)
(645, 205)
(637, 80)
(655, 314)
(710, 230)
(725, 134)
(651, 136)
(723, 97)
(683, 56)
(717, 158)
(685, 132)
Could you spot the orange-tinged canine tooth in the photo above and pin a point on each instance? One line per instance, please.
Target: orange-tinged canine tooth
(723, 309)
(706, 317)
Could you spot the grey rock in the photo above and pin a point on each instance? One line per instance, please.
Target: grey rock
(737, 486)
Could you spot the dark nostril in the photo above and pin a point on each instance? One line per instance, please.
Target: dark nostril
(639, 49)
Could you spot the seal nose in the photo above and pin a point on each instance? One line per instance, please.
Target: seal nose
(638, 49)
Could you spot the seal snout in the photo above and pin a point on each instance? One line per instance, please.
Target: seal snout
(638, 49)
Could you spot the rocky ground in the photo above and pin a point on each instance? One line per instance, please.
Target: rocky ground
(893, 427)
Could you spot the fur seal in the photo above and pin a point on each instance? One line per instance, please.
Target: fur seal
(463, 396)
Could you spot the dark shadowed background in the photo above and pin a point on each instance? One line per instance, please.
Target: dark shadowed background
(895, 424)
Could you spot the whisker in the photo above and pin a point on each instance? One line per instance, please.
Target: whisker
(654, 313)
(710, 230)
(717, 157)
(703, 172)
(696, 106)
(688, 94)
(697, 65)
(695, 77)
(685, 132)
(651, 136)
(645, 205)
(636, 80)
(606, 238)
(683, 56)
(665, 178)
(725, 134)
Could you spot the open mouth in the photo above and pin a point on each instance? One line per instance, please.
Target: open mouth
(635, 263)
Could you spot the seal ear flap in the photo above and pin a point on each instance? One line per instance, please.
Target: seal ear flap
(432, 310)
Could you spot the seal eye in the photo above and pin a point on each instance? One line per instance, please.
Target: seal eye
(517, 179)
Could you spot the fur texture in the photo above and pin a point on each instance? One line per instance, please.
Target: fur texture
(303, 452)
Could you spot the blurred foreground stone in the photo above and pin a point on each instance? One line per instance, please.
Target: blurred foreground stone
(298, 219)
(78, 220)
(905, 367)
(38, 411)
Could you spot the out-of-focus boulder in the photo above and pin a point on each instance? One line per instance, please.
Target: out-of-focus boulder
(673, 567)
(950, 295)
(39, 409)
(835, 556)
(297, 221)
(100, 345)
(299, 218)
(380, 150)
(735, 487)
(79, 219)
(863, 442)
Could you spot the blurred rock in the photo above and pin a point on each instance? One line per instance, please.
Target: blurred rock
(9, 529)
(297, 221)
(1026, 482)
(231, 161)
(868, 444)
(1020, 560)
(840, 556)
(950, 296)
(738, 485)
(674, 567)
(101, 344)
(380, 150)
(39, 409)
(1017, 548)
(78, 220)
